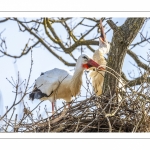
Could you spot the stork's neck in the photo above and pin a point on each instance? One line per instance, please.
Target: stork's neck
(76, 81)
(99, 58)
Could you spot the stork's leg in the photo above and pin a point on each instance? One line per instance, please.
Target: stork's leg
(53, 108)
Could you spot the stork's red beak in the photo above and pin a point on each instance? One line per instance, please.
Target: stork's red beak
(103, 36)
(92, 63)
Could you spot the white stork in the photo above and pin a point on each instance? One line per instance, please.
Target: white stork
(98, 56)
(60, 84)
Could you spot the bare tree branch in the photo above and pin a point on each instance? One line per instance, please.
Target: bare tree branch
(44, 44)
(137, 60)
(4, 20)
(24, 52)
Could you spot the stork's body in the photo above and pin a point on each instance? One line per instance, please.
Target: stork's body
(61, 84)
(52, 83)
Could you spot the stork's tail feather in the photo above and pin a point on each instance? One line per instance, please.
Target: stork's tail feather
(36, 94)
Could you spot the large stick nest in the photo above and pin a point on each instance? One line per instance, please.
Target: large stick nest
(98, 114)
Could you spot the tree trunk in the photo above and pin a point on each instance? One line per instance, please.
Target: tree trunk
(122, 38)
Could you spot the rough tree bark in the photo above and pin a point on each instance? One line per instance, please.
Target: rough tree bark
(122, 38)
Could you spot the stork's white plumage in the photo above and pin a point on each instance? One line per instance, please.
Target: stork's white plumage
(98, 56)
(60, 84)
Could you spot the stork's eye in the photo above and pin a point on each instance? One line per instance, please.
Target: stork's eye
(85, 57)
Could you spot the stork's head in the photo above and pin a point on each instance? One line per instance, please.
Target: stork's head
(85, 62)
